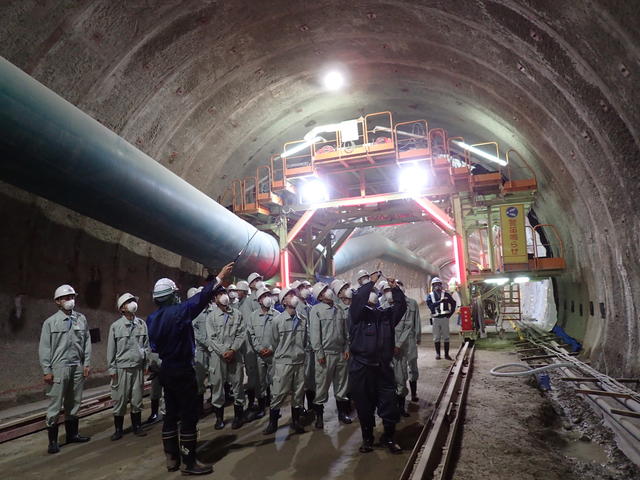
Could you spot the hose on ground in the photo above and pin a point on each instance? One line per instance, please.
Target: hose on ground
(526, 370)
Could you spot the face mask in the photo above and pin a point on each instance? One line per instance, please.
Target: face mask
(363, 280)
(267, 302)
(304, 293)
(348, 293)
(388, 296)
(68, 305)
(373, 297)
(132, 307)
(223, 299)
(233, 295)
(259, 284)
(293, 301)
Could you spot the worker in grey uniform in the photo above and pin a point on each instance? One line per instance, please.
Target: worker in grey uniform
(288, 337)
(156, 388)
(329, 336)
(65, 358)
(442, 306)
(302, 310)
(247, 303)
(127, 359)
(415, 337)
(402, 333)
(258, 326)
(225, 337)
(201, 358)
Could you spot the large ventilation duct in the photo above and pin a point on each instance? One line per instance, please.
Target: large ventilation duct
(53, 149)
(359, 250)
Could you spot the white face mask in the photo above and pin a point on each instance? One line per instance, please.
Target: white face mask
(223, 299)
(348, 293)
(233, 295)
(305, 292)
(69, 305)
(259, 284)
(132, 307)
(388, 296)
(267, 302)
(373, 297)
(363, 280)
(293, 301)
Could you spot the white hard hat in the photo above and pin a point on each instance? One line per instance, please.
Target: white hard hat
(192, 291)
(362, 273)
(124, 298)
(333, 283)
(275, 291)
(231, 287)
(285, 292)
(318, 288)
(63, 290)
(164, 287)
(254, 276)
(262, 291)
(295, 284)
(435, 280)
(338, 285)
(383, 285)
(306, 283)
(243, 286)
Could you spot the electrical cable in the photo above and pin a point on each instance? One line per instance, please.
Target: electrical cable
(527, 370)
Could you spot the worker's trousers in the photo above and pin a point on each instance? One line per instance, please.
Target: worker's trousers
(180, 399)
(66, 390)
(440, 329)
(412, 359)
(400, 373)
(335, 371)
(201, 361)
(373, 388)
(221, 372)
(265, 375)
(309, 370)
(250, 358)
(287, 379)
(127, 388)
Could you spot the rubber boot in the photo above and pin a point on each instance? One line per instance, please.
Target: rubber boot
(319, 409)
(343, 412)
(253, 410)
(251, 399)
(190, 465)
(71, 427)
(171, 450)
(238, 419)
(262, 405)
(446, 351)
(53, 439)
(296, 425)
(437, 344)
(153, 418)
(274, 415)
(219, 418)
(386, 440)
(118, 422)
(414, 390)
(136, 424)
(367, 439)
(401, 406)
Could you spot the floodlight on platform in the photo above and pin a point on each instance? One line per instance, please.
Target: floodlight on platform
(412, 179)
(333, 80)
(314, 191)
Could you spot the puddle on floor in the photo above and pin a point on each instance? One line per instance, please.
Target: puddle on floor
(585, 451)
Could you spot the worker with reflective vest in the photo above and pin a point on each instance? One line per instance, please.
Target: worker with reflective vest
(442, 306)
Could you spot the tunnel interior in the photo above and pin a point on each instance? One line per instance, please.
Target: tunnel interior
(211, 89)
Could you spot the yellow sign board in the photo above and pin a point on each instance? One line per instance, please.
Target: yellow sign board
(514, 238)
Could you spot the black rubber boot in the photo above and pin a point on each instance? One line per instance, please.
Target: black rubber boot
(53, 439)
(254, 411)
(238, 419)
(190, 465)
(251, 399)
(401, 406)
(136, 424)
(367, 439)
(262, 405)
(153, 418)
(71, 427)
(118, 422)
(219, 418)
(296, 425)
(319, 409)
(446, 351)
(343, 412)
(171, 450)
(414, 390)
(274, 415)
(386, 440)
(437, 344)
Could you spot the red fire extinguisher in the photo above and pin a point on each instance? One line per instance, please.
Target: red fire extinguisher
(465, 319)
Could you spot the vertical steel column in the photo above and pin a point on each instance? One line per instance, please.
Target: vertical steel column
(462, 246)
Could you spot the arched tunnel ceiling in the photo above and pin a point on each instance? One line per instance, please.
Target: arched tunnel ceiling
(211, 88)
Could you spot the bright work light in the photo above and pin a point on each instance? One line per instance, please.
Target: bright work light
(314, 191)
(412, 179)
(333, 80)
(480, 153)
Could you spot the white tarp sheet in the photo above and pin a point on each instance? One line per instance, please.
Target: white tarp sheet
(537, 303)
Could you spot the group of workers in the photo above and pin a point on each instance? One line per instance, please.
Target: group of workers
(296, 341)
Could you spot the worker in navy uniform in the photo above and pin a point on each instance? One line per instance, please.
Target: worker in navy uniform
(442, 306)
(171, 335)
(372, 382)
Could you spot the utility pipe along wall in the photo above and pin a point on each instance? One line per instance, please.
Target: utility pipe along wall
(53, 149)
(357, 251)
